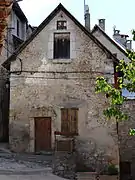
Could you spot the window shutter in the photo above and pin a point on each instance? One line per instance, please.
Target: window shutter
(69, 120)
(64, 120)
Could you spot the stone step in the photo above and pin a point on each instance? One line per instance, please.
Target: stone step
(86, 176)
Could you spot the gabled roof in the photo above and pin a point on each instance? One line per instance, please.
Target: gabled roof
(45, 22)
(16, 8)
(117, 45)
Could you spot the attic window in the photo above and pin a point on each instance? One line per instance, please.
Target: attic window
(62, 46)
(61, 25)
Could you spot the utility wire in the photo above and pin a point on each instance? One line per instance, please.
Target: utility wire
(53, 72)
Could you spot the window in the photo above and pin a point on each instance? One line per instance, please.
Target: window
(61, 25)
(69, 120)
(17, 42)
(62, 46)
(116, 75)
(125, 92)
(18, 28)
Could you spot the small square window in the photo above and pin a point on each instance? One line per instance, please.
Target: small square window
(61, 25)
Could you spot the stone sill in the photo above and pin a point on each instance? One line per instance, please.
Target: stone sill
(61, 61)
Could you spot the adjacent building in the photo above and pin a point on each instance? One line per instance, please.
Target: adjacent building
(17, 31)
(118, 46)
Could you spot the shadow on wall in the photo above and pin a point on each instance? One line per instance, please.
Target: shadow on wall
(19, 137)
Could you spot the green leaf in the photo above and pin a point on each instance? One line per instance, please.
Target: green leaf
(114, 96)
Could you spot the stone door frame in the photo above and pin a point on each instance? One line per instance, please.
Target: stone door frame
(39, 112)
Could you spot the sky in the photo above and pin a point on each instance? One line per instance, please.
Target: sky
(116, 12)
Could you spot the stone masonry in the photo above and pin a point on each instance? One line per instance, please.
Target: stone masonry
(47, 85)
(127, 145)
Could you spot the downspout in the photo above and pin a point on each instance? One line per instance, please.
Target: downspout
(116, 85)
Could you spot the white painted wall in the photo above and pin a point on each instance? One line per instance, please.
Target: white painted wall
(22, 26)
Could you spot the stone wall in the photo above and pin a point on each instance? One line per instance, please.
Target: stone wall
(127, 142)
(64, 165)
(47, 85)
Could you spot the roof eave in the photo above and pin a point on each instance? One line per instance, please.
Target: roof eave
(16, 8)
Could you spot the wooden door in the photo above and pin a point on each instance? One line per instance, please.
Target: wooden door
(42, 134)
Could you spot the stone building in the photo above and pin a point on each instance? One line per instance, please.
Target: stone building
(114, 46)
(99, 32)
(127, 145)
(5, 10)
(16, 33)
(52, 88)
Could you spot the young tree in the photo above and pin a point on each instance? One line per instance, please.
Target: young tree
(114, 95)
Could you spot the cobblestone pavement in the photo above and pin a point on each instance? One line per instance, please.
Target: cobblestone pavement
(12, 164)
(26, 166)
(30, 177)
(24, 163)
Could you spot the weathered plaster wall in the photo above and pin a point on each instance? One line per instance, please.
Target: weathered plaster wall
(44, 93)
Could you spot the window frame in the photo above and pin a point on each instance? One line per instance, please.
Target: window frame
(64, 27)
(59, 54)
(18, 28)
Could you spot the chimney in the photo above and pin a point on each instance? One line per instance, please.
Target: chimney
(122, 39)
(129, 44)
(102, 24)
(87, 17)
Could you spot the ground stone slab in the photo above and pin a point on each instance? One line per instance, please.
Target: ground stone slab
(31, 177)
(64, 165)
(16, 166)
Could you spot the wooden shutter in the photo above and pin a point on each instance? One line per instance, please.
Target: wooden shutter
(73, 115)
(64, 120)
(69, 120)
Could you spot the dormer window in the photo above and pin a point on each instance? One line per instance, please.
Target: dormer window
(61, 25)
